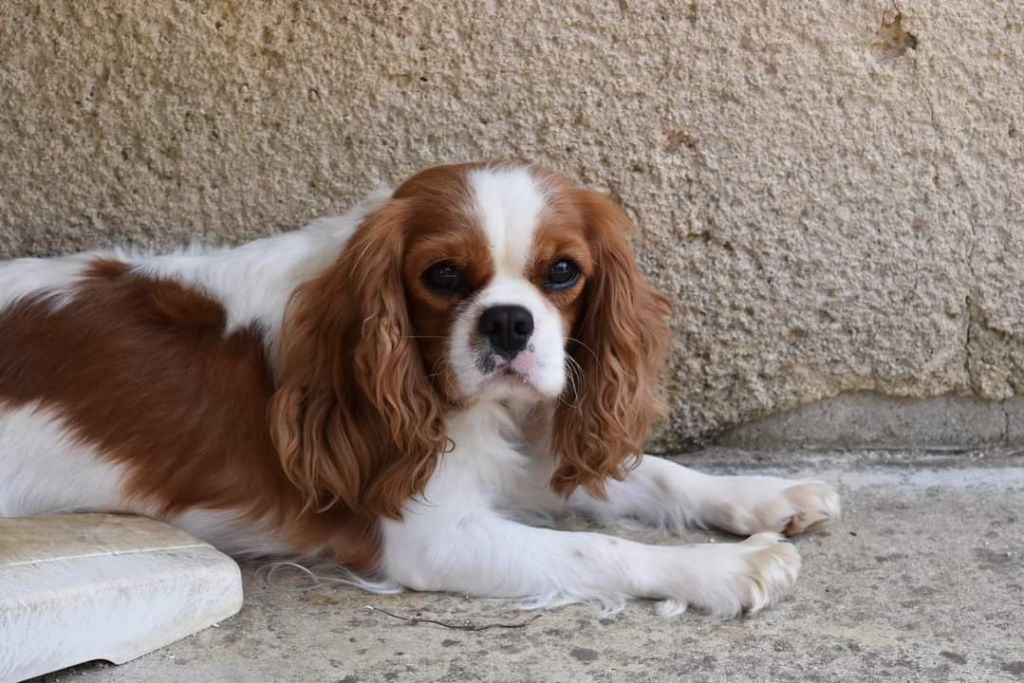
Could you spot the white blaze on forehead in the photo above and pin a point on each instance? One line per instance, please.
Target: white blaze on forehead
(508, 201)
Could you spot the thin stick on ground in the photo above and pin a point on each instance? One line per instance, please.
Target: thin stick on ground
(458, 627)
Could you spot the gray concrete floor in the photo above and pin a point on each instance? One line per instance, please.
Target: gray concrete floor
(922, 580)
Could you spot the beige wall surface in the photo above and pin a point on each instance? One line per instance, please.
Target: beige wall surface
(832, 192)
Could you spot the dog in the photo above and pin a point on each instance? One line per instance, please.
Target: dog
(403, 388)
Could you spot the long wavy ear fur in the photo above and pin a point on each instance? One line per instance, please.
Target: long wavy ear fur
(620, 342)
(354, 418)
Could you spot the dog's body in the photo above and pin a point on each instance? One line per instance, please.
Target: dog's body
(399, 387)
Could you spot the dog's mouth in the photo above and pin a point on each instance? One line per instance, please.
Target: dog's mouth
(502, 369)
(498, 370)
(508, 372)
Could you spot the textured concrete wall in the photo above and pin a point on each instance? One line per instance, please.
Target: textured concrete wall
(830, 191)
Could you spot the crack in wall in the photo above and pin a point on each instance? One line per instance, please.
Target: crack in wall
(1006, 424)
(968, 339)
(970, 296)
(970, 306)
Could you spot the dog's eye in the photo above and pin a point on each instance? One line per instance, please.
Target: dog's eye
(443, 277)
(562, 274)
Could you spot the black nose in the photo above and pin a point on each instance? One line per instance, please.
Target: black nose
(507, 327)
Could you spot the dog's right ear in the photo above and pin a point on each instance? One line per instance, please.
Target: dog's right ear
(354, 418)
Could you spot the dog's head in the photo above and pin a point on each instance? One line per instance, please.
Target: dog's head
(473, 282)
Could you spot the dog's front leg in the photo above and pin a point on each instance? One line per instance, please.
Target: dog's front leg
(462, 545)
(662, 493)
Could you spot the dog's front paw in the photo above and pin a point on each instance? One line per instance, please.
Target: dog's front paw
(728, 579)
(811, 505)
(749, 505)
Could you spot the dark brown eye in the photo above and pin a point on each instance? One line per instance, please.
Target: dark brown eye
(443, 277)
(561, 275)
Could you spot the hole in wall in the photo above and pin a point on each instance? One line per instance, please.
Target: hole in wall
(893, 40)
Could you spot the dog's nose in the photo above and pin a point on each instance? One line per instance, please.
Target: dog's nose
(507, 327)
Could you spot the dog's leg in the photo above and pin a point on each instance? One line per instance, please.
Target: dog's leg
(455, 545)
(662, 493)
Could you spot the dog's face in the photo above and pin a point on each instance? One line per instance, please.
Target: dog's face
(496, 263)
(473, 282)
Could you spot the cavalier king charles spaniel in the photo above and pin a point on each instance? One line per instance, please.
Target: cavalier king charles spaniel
(406, 388)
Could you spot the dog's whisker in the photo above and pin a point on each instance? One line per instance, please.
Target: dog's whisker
(581, 343)
(575, 376)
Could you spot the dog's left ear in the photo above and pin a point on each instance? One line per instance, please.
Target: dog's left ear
(620, 342)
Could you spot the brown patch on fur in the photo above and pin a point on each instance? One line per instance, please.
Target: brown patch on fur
(441, 227)
(620, 341)
(561, 234)
(143, 370)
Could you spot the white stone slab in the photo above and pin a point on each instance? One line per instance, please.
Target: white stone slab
(75, 588)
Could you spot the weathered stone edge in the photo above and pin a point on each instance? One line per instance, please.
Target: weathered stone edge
(873, 421)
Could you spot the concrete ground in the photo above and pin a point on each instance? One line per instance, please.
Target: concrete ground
(922, 580)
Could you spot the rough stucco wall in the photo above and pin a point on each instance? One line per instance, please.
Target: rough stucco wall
(831, 192)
